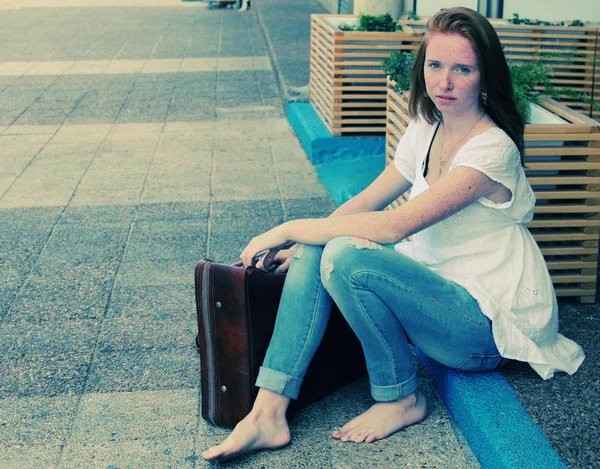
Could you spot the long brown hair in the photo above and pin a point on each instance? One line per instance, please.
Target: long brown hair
(494, 72)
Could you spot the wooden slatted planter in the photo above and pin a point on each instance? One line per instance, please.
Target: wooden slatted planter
(348, 87)
(563, 167)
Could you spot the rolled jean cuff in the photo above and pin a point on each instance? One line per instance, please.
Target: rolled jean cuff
(395, 391)
(279, 382)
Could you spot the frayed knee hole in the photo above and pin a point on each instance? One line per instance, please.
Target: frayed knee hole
(361, 243)
(328, 269)
(298, 250)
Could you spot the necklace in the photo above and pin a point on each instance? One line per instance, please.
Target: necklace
(444, 159)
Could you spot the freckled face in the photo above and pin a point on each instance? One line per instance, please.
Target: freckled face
(452, 74)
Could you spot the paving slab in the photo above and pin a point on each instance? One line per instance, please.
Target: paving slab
(109, 216)
(33, 421)
(46, 374)
(59, 337)
(147, 370)
(154, 302)
(22, 457)
(134, 334)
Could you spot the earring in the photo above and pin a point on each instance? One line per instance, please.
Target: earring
(484, 99)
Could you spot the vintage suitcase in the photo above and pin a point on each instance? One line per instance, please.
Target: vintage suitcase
(236, 309)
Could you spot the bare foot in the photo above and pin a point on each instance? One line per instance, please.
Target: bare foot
(383, 419)
(259, 430)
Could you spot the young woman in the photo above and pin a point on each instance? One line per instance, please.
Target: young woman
(470, 290)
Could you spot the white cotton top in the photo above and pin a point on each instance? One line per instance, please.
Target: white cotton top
(487, 249)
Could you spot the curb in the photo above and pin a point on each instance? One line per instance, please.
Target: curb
(486, 409)
(321, 147)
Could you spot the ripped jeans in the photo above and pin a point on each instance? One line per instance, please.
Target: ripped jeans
(390, 301)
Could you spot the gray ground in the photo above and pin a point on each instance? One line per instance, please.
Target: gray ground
(135, 140)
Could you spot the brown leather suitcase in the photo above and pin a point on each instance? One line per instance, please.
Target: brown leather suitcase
(236, 309)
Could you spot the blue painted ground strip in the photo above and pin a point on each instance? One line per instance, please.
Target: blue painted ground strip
(484, 406)
(318, 143)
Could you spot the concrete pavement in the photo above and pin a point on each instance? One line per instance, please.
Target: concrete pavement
(136, 138)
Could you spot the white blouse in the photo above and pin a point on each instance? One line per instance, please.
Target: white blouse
(487, 249)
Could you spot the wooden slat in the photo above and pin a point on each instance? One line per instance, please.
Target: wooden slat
(562, 194)
(561, 151)
(358, 130)
(562, 180)
(368, 105)
(561, 292)
(365, 121)
(567, 208)
(571, 265)
(545, 223)
(566, 237)
(561, 165)
(564, 251)
(573, 278)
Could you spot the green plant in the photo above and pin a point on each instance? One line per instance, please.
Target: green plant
(413, 16)
(398, 66)
(381, 23)
(533, 77)
(526, 76)
(516, 19)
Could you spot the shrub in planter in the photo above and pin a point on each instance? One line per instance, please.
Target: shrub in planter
(398, 66)
(382, 23)
(516, 19)
(533, 77)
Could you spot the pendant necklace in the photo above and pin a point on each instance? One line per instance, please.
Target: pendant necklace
(443, 161)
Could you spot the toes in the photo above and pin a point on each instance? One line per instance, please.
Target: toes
(358, 436)
(211, 453)
(337, 434)
(350, 427)
(222, 451)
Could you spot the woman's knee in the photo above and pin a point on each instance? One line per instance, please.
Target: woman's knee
(342, 252)
(307, 253)
(332, 253)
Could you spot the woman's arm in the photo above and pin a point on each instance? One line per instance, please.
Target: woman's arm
(386, 188)
(455, 191)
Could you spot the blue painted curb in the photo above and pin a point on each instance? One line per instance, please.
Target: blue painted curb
(484, 406)
(488, 412)
(344, 180)
(318, 143)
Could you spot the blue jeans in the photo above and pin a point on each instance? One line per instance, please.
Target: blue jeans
(390, 301)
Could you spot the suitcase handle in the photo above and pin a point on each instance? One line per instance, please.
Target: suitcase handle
(262, 254)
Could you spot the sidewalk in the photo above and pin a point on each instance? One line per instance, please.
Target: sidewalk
(136, 139)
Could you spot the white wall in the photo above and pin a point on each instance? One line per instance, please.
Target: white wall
(554, 10)
(431, 7)
(330, 5)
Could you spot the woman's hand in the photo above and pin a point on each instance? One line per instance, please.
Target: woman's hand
(276, 261)
(272, 239)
